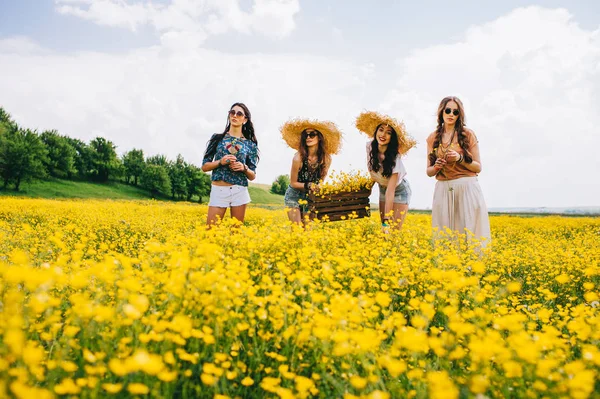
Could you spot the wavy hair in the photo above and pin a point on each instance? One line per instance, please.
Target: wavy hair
(459, 127)
(389, 161)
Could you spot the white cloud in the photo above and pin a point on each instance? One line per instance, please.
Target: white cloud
(530, 81)
(20, 45)
(193, 20)
(171, 102)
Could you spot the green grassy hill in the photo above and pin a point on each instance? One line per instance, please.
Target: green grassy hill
(57, 188)
(261, 194)
(65, 189)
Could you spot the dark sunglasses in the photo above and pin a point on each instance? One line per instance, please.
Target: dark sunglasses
(455, 112)
(239, 114)
(312, 135)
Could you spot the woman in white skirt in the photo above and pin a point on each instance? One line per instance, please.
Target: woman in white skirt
(453, 158)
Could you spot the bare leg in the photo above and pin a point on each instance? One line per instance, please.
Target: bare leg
(382, 210)
(215, 213)
(400, 211)
(239, 212)
(294, 215)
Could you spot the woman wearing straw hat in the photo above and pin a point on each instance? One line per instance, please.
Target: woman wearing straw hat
(315, 142)
(453, 158)
(389, 142)
(232, 157)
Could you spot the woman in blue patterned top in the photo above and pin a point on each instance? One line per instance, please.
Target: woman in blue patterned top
(232, 157)
(315, 142)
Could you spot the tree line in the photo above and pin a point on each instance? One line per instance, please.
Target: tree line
(26, 155)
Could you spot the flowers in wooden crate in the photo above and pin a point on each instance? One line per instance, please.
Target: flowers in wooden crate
(345, 182)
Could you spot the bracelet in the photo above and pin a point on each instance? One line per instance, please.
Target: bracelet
(461, 158)
(245, 168)
(385, 224)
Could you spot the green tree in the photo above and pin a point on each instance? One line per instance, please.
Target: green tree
(155, 178)
(159, 160)
(61, 155)
(104, 159)
(178, 178)
(22, 155)
(134, 164)
(83, 157)
(198, 182)
(280, 184)
(6, 119)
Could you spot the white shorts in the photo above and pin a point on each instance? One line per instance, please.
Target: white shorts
(226, 196)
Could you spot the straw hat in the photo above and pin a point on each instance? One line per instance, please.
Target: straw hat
(292, 130)
(368, 121)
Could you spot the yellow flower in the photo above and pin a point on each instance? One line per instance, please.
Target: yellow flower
(138, 389)
(247, 382)
(358, 382)
(208, 379)
(512, 369)
(112, 388)
(67, 386)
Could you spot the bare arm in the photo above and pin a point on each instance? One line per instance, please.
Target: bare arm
(327, 165)
(475, 165)
(296, 164)
(208, 166)
(389, 195)
(241, 167)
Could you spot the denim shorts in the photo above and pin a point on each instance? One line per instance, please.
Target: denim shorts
(292, 196)
(226, 196)
(402, 193)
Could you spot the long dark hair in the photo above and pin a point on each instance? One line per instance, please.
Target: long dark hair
(322, 157)
(389, 162)
(247, 131)
(459, 127)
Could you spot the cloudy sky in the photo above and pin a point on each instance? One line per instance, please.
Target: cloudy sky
(160, 75)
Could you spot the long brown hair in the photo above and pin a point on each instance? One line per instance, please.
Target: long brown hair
(323, 158)
(459, 127)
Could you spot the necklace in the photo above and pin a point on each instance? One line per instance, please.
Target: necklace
(443, 148)
(312, 164)
(449, 142)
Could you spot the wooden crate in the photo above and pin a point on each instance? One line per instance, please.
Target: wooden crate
(340, 206)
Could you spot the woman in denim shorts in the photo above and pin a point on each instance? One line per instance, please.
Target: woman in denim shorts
(390, 141)
(314, 141)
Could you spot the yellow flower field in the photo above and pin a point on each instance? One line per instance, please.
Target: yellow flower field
(119, 299)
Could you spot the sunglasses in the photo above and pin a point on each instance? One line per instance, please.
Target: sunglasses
(239, 114)
(455, 112)
(311, 135)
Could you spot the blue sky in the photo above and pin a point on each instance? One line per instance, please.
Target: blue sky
(158, 74)
(373, 26)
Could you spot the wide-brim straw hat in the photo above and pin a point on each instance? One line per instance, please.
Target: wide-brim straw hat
(368, 121)
(291, 131)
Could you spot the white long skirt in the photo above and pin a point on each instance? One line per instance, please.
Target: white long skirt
(459, 205)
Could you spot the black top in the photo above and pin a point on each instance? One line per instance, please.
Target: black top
(309, 174)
